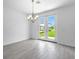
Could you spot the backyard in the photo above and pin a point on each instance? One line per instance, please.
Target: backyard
(51, 32)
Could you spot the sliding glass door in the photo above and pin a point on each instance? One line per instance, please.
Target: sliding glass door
(47, 28)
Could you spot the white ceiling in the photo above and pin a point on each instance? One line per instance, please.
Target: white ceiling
(25, 6)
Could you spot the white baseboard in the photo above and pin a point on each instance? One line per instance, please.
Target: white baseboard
(13, 42)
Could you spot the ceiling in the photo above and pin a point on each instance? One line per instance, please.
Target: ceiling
(25, 6)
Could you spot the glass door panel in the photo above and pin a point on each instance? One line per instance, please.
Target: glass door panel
(42, 27)
(51, 28)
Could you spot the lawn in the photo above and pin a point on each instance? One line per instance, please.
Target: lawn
(51, 33)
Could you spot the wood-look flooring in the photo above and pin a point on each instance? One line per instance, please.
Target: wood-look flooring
(37, 49)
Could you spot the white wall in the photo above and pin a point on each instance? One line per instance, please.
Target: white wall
(65, 24)
(16, 28)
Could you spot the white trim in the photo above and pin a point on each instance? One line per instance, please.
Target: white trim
(13, 42)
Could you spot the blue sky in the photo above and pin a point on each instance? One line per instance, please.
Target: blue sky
(51, 20)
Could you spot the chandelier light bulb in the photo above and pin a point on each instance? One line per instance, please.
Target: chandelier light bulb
(29, 17)
(36, 17)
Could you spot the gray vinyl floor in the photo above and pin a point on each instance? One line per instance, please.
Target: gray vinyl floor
(37, 49)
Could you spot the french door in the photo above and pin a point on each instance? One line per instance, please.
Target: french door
(47, 29)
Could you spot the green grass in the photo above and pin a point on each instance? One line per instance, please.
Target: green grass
(51, 33)
(42, 34)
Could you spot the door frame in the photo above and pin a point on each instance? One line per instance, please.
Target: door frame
(46, 29)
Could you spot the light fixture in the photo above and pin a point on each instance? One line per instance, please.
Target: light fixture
(33, 17)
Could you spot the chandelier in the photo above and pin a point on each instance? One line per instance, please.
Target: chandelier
(33, 17)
